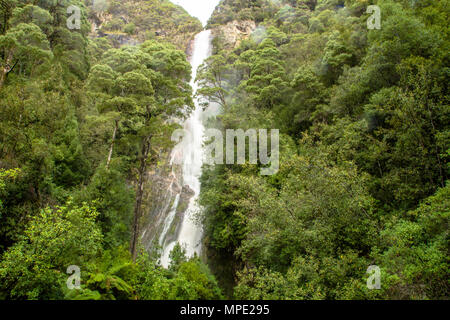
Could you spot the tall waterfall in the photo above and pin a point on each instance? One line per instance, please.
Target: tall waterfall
(189, 152)
(190, 149)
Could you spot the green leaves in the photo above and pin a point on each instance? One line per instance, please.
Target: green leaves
(5, 176)
(266, 82)
(364, 158)
(211, 78)
(151, 19)
(24, 44)
(416, 250)
(33, 14)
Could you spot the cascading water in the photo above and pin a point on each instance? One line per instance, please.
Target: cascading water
(189, 152)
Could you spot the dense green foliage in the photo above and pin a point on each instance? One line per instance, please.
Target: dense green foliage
(79, 123)
(364, 122)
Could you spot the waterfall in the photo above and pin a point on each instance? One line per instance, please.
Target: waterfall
(189, 151)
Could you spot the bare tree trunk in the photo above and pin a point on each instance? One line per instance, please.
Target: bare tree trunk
(139, 196)
(218, 79)
(6, 68)
(112, 144)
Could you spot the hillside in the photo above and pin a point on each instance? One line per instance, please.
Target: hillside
(135, 21)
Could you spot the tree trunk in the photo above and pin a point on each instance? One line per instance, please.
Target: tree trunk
(3, 73)
(112, 144)
(139, 196)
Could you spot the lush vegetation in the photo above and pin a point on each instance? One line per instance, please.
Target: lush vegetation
(364, 149)
(145, 20)
(364, 122)
(80, 122)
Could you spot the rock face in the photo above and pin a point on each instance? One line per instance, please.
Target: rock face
(234, 32)
(162, 186)
(190, 49)
(119, 40)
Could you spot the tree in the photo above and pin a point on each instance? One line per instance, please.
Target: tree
(266, 83)
(211, 79)
(144, 86)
